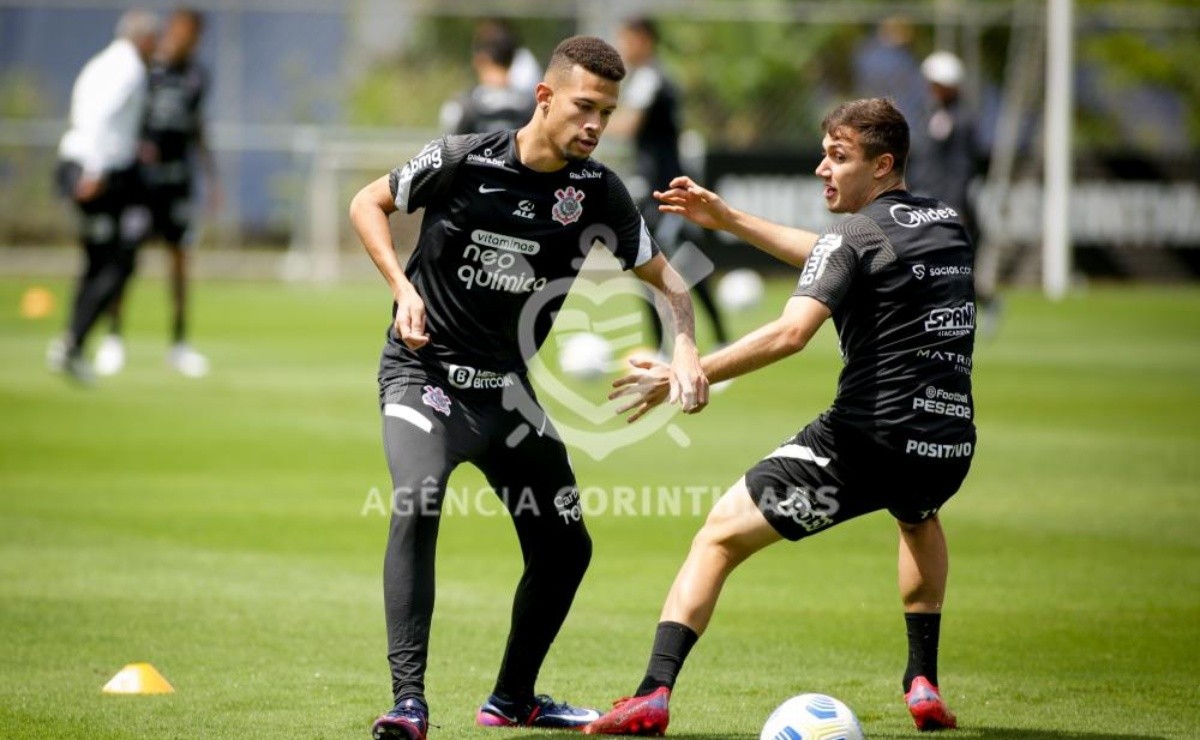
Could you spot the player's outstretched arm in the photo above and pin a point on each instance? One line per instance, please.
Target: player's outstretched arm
(707, 209)
(369, 211)
(785, 336)
(688, 385)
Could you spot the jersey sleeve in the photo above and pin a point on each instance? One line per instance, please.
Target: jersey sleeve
(838, 259)
(625, 225)
(428, 175)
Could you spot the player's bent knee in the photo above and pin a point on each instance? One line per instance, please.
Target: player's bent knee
(581, 558)
(568, 557)
(721, 539)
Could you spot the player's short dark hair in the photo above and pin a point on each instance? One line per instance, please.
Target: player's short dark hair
(880, 125)
(191, 15)
(593, 54)
(643, 25)
(498, 49)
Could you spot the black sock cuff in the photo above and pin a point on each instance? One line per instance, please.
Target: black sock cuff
(923, 620)
(672, 643)
(686, 633)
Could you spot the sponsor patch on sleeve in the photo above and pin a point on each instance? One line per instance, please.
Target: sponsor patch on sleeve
(815, 266)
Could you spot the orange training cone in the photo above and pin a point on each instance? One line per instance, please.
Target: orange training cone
(37, 303)
(138, 678)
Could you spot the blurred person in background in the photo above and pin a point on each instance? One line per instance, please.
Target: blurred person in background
(492, 105)
(946, 156)
(649, 115)
(524, 73)
(885, 66)
(97, 170)
(173, 143)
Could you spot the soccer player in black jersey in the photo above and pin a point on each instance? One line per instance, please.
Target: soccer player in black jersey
(896, 278)
(508, 219)
(173, 143)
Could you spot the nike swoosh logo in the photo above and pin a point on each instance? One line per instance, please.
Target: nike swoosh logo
(484, 189)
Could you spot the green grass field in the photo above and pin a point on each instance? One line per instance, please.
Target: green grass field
(221, 530)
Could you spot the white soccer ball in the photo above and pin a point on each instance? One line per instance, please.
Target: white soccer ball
(740, 290)
(585, 355)
(812, 717)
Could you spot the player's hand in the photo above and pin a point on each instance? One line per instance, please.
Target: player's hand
(649, 383)
(689, 385)
(88, 188)
(694, 203)
(410, 319)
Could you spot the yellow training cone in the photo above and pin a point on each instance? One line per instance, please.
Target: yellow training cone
(138, 678)
(37, 303)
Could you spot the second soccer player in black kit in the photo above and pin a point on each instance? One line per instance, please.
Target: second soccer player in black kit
(508, 219)
(896, 278)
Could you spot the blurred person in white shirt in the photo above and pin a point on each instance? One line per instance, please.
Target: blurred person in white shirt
(97, 171)
(524, 72)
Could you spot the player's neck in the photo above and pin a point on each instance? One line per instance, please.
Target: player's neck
(884, 188)
(535, 152)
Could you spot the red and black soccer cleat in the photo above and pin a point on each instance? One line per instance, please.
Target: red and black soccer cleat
(639, 715)
(928, 710)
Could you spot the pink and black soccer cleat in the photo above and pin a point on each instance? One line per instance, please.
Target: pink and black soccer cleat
(639, 715)
(928, 710)
(541, 712)
(409, 720)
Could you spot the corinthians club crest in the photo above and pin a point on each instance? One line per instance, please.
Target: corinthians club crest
(569, 206)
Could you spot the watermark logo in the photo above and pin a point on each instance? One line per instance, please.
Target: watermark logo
(593, 426)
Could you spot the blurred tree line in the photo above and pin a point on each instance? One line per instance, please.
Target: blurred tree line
(756, 84)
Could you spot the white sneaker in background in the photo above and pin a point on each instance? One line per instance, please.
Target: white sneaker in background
(56, 355)
(77, 368)
(188, 361)
(110, 357)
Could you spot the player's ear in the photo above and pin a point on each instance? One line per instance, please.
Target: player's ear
(884, 164)
(543, 93)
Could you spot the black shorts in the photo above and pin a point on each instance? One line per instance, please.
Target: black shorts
(824, 476)
(432, 424)
(171, 209)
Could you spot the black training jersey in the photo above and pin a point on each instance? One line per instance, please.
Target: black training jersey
(174, 118)
(500, 245)
(897, 277)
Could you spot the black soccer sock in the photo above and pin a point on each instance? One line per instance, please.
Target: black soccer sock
(178, 304)
(178, 327)
(923, 633)
(672, 643)
(115, 322)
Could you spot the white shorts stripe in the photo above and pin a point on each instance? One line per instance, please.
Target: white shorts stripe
(799, 452)
(411, 415)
